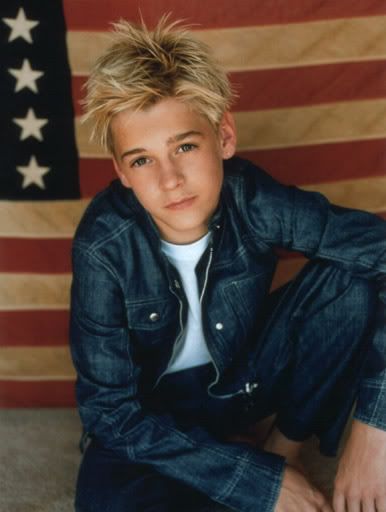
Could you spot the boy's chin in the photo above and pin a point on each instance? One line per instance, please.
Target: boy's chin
(183, 234)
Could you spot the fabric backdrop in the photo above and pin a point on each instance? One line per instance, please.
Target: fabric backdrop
(311, 75)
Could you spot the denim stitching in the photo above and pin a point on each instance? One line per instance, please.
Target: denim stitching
(236, 477)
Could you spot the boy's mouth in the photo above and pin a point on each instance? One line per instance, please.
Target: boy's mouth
(181, 204)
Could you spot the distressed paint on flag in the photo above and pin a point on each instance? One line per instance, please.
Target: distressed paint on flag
(311, 77)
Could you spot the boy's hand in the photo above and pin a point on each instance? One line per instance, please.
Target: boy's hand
(298, 495)
(360, 483)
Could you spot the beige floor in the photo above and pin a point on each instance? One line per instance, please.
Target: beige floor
(39, 458)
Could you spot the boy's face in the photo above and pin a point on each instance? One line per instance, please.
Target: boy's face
(171, 157)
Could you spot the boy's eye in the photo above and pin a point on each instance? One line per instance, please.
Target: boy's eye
(139, 162)
(187, 147)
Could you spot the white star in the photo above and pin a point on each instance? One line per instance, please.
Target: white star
(26, 77)
(30, 125)
(33, 173)
(21, 26)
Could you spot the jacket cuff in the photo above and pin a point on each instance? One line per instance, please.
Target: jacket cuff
(257, 483)
(371, 404)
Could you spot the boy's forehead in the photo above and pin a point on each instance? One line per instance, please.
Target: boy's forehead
(169, 119)
(167, 108)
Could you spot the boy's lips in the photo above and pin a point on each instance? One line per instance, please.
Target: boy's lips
(185, 202)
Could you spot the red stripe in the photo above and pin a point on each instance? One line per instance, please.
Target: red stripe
(48, 256)
(311, 85)
(34, 328)
(323, 163)
(94, 175)
(300, 165)
(281, 88)
(83, 15)
(77, 93)
(51, 393)
(48, 327)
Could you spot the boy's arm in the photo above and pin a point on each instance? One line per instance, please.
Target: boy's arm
(109, 402)
(355, 241)
(351, 239)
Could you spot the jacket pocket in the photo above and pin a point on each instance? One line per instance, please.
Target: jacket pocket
(152, 321)
(246, 297)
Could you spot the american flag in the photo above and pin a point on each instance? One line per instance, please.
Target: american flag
(311, 76)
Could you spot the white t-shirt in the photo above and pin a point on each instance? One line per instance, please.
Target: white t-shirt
(191, 350)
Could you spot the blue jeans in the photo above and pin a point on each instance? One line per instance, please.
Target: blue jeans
(311, 354)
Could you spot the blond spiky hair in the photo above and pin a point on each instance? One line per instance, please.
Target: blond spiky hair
(142, 67)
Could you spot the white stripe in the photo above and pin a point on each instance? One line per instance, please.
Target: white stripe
(264, 47)
(41, 219)
(34, 291)
(36, 363)
(317, 124)
(29, 219)
(290, 127)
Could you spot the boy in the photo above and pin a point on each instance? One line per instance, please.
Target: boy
(178, 344)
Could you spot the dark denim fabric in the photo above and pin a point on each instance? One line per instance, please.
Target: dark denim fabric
(121, 277)
(307, 396)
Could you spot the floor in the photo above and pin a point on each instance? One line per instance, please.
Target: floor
(39, 457)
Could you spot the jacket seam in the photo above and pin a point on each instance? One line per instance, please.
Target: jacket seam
(241, 193)
(97, 257)
(274, 495)
(326, 256)
(193, 443)
(111, 236)
(233, 481)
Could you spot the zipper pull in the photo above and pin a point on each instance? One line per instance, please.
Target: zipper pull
(249, 387)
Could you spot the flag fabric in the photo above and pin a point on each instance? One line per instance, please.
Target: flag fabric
(38, 158)
(311, 79)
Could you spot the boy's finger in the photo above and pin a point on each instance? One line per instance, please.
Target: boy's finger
(327, 508)
(354, 505)
(339, 502)
(381, 504)
(368, 505)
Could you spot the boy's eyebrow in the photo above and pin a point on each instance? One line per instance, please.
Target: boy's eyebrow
(181, 136)
(176, 138)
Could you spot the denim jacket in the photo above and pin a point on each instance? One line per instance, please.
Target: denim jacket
(129, 310)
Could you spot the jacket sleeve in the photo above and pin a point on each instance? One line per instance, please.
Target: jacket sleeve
(353, 240)
(233, 474)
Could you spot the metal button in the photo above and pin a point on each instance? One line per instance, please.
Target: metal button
(219, 326)
(154, 317)
(177, 284)
(218, 226)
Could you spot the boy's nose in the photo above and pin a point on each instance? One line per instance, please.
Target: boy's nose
(170, 175)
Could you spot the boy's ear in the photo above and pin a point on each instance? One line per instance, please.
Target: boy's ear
(123, 178)
(227, 134)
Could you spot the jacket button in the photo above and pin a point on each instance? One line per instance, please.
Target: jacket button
(154, 317)
(177, 284)
(219, 326)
